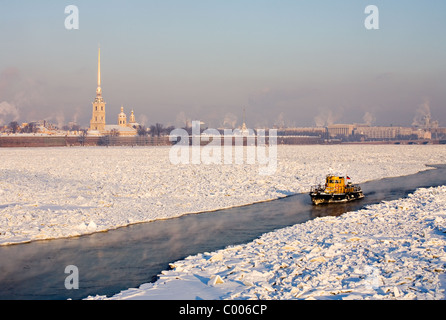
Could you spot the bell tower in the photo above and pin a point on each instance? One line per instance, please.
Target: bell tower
(122, 118)
(132, 118)
(98, 118)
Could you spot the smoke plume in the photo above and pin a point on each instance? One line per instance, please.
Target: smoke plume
(326, 118)
(423, 114)
(182, 121)
(230, 121)
(8, 113)
(369, 118)
(280, 121)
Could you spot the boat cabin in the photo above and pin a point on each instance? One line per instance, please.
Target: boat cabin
(336, 184)
(336, 190)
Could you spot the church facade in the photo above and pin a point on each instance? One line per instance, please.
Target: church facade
(98, 124)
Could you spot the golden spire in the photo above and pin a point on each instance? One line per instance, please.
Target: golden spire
(99, 66)
(99, 90)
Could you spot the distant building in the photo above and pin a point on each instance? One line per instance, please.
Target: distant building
(378, 132)
(389, 133)
(122, 118)
(304, 131)
(335, 130)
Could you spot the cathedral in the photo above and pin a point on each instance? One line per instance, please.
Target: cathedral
(98, 125)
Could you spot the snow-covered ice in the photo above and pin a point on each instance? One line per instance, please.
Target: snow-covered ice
(388, 250)
(50, 193)
(391, 250)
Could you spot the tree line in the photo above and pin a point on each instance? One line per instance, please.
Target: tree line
(157, 129)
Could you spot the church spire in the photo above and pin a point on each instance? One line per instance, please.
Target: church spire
(99, 90)
(99, 66)
(97, 122)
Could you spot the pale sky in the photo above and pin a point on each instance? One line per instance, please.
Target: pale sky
(295, 62)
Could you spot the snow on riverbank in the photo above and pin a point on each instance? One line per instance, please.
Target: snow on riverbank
(63, 192)
(391, 250)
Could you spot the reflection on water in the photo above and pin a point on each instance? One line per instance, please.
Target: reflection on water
(127, 257)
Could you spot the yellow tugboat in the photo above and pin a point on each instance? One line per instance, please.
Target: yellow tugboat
(335, 190)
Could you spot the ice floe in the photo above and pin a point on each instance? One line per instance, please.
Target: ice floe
(391, 250)
(50, 193)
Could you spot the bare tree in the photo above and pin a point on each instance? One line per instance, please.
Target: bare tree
(159, 129)
(168, 130)
(82, 136)
(156, 129)
(30, 128)
(14, 126)
(142, 130)
(104, 141)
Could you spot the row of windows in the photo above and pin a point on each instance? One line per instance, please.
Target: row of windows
(96, 108)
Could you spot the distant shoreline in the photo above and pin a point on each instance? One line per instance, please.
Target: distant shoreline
(77, 141)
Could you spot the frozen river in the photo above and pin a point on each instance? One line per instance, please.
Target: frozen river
(127, 257)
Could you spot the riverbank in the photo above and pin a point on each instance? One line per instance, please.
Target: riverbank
(391, 250)
(68, 192)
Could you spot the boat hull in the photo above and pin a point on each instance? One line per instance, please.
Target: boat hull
(325, 198)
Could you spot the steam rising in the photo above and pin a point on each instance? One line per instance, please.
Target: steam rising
(230, 121)
(8, 112)
(182, 120)
(369, 118)
(325, 118)
(280, 121)
(422, 114)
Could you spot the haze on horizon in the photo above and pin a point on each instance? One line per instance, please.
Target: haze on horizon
(287, 62)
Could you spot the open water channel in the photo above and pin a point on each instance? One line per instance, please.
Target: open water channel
(128, 257)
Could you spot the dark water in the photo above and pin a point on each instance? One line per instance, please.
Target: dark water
(127, 257)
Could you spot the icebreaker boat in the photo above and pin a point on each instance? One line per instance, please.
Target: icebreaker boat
(335, 190)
